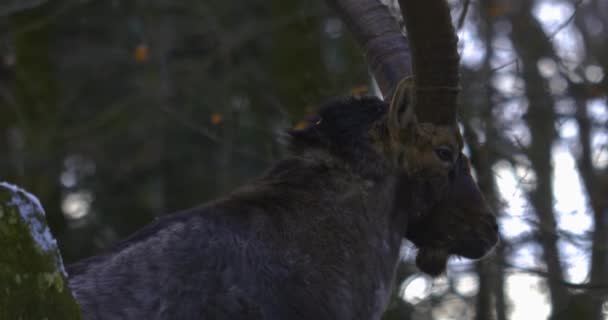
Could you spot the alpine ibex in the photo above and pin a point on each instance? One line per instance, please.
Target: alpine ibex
(318, 235)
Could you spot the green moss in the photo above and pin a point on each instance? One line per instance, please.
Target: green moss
(33, 285)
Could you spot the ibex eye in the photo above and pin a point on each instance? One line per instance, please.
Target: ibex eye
(445, 154)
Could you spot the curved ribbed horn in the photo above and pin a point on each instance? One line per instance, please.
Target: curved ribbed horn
(386, 49)
(435, 59)
(434, 56)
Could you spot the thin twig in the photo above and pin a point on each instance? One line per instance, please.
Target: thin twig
(48, 19)
(502, 66)
(547, 275)
(9, 9)
(567, 21)
(207, 133)
(463, 13)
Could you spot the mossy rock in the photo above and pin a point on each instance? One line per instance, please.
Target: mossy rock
(32, 279)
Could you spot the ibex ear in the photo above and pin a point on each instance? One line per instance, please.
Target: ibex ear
(401, 115)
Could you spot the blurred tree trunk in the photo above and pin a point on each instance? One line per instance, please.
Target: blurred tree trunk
(9, 118)
(595, 180)
(297, 66)
(596, 185)
(34, 140)
(531, 44)
(480, 99)
(162, 30)
(490, 302)
(490, 297)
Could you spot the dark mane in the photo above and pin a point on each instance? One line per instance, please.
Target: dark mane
(342, 128)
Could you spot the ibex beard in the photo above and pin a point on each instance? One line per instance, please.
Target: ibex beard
(316, 237)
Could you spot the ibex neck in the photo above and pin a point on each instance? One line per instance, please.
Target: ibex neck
(340, 227)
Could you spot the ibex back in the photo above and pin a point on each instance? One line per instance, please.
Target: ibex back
(318, 236)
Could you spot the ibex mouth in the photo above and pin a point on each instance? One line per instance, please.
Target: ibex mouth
(433, 254)
(476, 246)
(432, 261)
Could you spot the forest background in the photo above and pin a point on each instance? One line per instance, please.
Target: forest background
(116, 112)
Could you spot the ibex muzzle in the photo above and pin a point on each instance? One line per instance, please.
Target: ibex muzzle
(460, 223)
(319, 235)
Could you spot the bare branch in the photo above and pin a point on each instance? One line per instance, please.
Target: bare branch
(13, 8)
(463, 13)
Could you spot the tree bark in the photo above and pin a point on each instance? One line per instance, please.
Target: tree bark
(490, 302)
(531, 44)
(595, 181)
(595, 184)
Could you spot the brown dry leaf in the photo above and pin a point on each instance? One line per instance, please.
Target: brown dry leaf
(300, 125)
(359, 91)
(141, 52)
(497, 10)
(217, 118)
(596, 91)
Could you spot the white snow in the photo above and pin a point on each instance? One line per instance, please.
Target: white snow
(40, 231)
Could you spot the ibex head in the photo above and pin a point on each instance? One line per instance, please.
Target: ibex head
(421, 80)
(460, 223)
